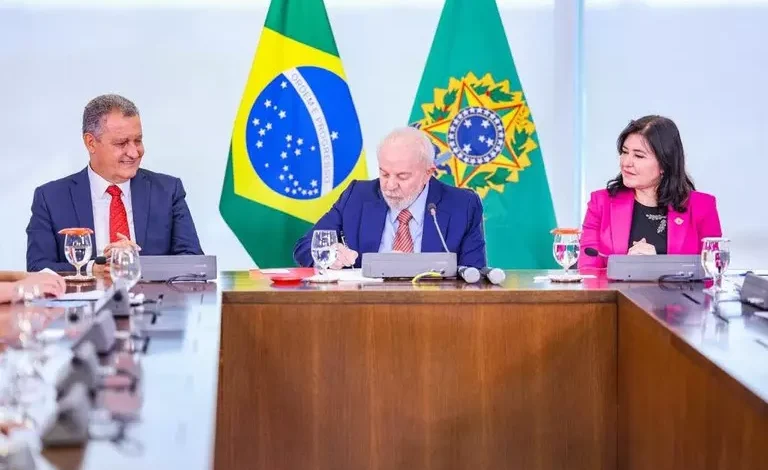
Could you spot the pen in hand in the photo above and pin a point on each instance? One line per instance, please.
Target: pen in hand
(347, 256)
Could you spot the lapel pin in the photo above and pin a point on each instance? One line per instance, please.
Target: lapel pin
(678, 221)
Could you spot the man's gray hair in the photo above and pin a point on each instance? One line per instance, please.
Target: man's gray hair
(98, 108)
(414, 139)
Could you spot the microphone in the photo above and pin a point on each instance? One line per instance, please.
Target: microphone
(593, 252)
(469, 274)
(432, 208)
(494, 275)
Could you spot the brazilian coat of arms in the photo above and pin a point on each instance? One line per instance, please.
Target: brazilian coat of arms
(482, 131)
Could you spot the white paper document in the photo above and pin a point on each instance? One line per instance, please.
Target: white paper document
(354, 275)
(275, 271)
(77, 296)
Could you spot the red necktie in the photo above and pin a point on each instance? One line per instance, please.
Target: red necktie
(118, 219)
(403, 241)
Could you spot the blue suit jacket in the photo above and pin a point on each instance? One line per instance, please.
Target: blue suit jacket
(361, 210)
(161, 218)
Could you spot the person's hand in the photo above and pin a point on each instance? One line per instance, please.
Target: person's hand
(48, 284)
(345, 256)
(642, 247)
(124, 242)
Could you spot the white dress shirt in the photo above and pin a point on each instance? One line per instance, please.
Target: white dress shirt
(100, 200)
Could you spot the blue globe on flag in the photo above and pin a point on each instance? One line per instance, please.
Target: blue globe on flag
(300, 139)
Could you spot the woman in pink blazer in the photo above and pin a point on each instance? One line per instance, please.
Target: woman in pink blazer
(651, 207)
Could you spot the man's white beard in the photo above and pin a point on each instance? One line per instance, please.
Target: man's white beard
(403, 203)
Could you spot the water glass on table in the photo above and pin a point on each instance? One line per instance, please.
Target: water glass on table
(125, 271)
(78, 248)
(124, 266)
(565, 249)
(324, 252)
(28, 356)
(715, 258)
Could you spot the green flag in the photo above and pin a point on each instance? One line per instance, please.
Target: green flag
(296, 142)
(471, 103)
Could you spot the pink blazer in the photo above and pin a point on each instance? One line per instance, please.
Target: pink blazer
(608, 220)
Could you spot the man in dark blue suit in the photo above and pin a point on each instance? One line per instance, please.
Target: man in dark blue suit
(392, 212)
(123, 204)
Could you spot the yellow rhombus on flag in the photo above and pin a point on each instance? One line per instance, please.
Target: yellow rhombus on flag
(296, 143)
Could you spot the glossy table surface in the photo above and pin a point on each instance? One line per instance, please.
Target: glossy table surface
(732, 336)
(177, 394)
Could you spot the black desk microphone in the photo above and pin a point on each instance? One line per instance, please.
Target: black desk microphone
(593, 252)
(468, 273)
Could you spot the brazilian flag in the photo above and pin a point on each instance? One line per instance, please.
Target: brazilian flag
(296, 142)
(472, 105)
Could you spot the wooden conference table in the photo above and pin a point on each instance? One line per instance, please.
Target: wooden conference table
(446, 375)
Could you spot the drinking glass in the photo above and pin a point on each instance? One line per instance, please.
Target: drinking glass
(77, 250)
(29, 319)
(715, 258)
(124, 266)
(565, 249)
(125, 270)
(324, 249)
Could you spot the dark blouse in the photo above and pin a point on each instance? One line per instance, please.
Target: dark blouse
(649, 223)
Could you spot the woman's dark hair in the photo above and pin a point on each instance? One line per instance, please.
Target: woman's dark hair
(664, 139)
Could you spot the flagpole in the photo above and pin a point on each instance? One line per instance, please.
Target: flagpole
(580, 112)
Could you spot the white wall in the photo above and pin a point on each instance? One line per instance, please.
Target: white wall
(185, 63)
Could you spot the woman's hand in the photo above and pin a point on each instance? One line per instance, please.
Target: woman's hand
(642, 247)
